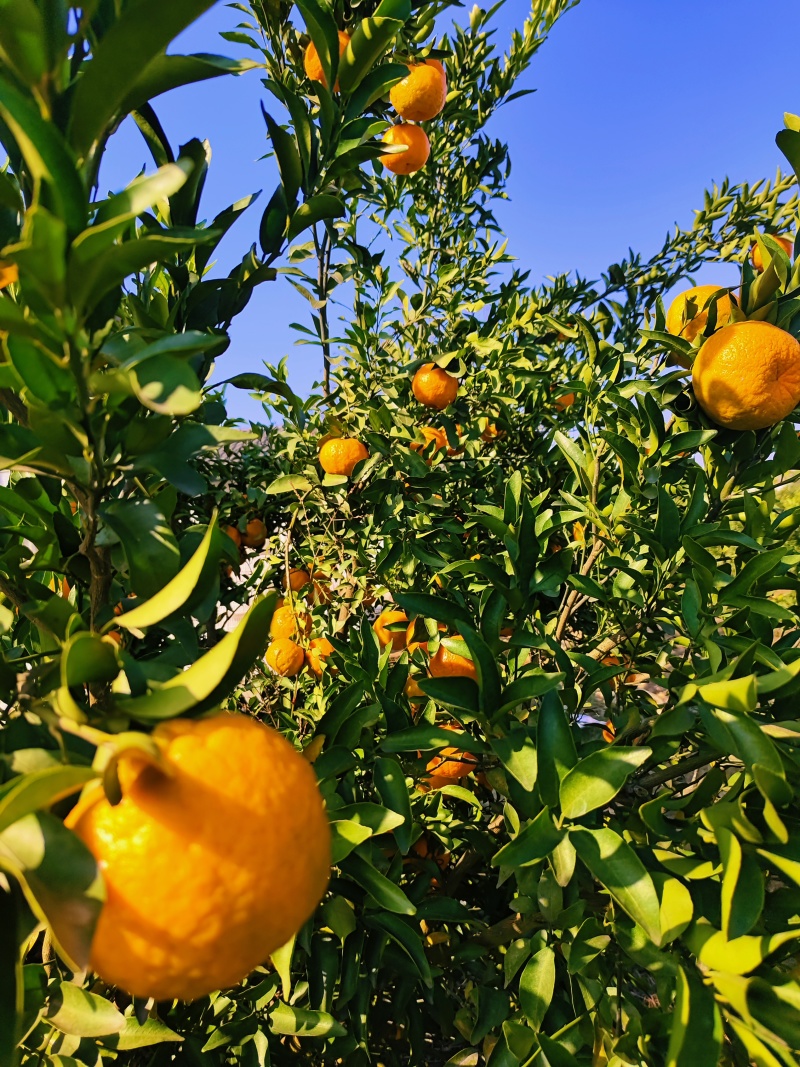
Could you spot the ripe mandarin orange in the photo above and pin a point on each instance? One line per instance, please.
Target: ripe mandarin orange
(434, 387)
(318, 651)
(298, 579)
(699, 295)
(341, 454)
(447, 664)
(396, 636)
(8, 273)
(433, 435)
(451, 765)
(418, 148)
(203, 874)
(566, 400)
(284, 657)
(255, 534)
(786, 243)
(286, 622)
(313, 66)
(421, 95)
(234, 534)
(747, 375)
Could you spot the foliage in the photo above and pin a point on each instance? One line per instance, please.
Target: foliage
(616, 878)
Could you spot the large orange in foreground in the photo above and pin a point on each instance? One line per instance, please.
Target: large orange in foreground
(210, 867)
(747, 375)
(417, 146)
(421, 95)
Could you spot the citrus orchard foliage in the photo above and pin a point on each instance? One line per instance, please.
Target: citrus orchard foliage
(538, 624)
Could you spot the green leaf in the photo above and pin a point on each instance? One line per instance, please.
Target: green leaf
(134, 1035)
(536, 986)
(695, 1024)
(177, 592)
(739, 956)
(595, 780)
(380, 820)
(434, 607)
(385, 893)
(288, 157)
(211, 678)
(556, 748)
(167, 72)
(288, 483)
(285, 1019)
(616, 866)
(391, 785)
(136, 37)
(676, 909)
(47, 158)
(407, 937)
(461, 693)
(371, 38)
(74, 1011)
(426, 737)
(316, 209)
(23, 40)
(345, 837)
(40, 789)
(528, 687)
(789, 143)
(742, 886)
(517, 752)
(533, 843)
(59, 878)
(149, 543)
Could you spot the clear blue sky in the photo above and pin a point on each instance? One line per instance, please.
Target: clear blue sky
(639, 105)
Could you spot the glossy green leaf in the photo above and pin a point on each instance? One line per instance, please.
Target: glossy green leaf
(742, 886)
(696, 1023)
(134, 1035)
(536, 986)
(285, 1019)
(427, 737)
(150, 546)
(595, 780)
(517, 752)
(391, 785)
(532, 844)
(75, 1011)
(384, 892)
(39, 789)
(556, 748)
(617, 867)
(59, 878)
(407, 937)
(371, 38)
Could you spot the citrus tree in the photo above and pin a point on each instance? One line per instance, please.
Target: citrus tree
(538, 621)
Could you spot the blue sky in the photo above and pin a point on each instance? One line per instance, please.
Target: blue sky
(639, 105)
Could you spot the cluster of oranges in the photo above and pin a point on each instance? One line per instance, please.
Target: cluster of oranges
(291, 626)
(746, 375)
(419, 97)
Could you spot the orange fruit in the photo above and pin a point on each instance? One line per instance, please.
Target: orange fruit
(747, 375)
(491, 431)
(786, 243)
(255, 534)
(418, 148)
(609, 731)
(298, 579)
(341, 454)
(699, 295)
(234, 534)
(434, 387)
(318, 651)
(396, 637)
(420, 96)
(284, 657)
(429, 847)
(446, 664)
(451, 765)
(203, 875)
(8, 273)
(313, 66)
(412, 690)
(286, 622)
(432, 434)
(566, 400)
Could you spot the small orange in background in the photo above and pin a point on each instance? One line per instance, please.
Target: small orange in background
(418, 148)
(413, 691)
(313, 66)
(318, 651)
(434, 387)
(285, 658)
(609, 731)
(421, 95)
(8, 273)
(235, 535)
(390, 629)
(286, 622)
(699, 295)
(786, 243)
(298, 579)
(432, 434)
(491, 432)
(447, 664)
(450, 766)
(255, 534)
(566, 400)
(341, 454)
